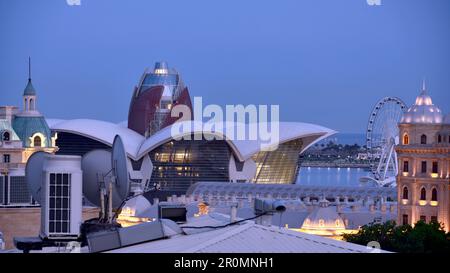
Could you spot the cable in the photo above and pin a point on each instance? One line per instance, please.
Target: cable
(229, 224)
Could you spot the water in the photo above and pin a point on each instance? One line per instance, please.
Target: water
(331, 176)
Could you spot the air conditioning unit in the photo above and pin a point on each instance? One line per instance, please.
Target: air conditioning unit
(61, 197)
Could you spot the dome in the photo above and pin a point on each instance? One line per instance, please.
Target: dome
(28, 126)
(423, 111)
(323, 218)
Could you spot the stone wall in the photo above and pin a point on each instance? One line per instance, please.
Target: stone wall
(26, 222)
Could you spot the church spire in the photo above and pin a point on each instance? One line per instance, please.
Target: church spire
(29, 68)
(29, 89)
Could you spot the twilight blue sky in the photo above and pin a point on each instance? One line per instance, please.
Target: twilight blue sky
(322, 61)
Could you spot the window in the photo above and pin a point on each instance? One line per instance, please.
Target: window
(405, 166)
(31, 104)
(424, 167)
(434, 219)
(434, 194)
(435, 167)
(405, 139)
(423, 139)
(439, 138)
(37, 141)
(423, 218)
(6, 136)
(423, 194)
(6, 158)
(405, 219)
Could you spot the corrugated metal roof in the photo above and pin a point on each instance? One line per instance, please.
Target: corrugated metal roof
(247, 237)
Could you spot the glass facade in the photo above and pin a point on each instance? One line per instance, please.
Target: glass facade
(280, 166)
(179, 164)
(72, 144)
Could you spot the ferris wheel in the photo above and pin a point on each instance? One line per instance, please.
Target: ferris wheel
(382, 136)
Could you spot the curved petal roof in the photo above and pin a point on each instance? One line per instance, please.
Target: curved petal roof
(137, 146)
(101, 131)
(243, 149)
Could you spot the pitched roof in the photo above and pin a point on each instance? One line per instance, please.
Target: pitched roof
(5, 125)
(247, 237)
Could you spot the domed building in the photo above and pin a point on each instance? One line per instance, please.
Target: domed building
(158, 92)
(324, 220)
(31, 126)
(423, 111)
(424, 164)
(22, 134)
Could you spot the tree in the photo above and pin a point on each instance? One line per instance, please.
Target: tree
(422, 238)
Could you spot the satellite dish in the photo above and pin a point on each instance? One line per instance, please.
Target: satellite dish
(96, 164)
(120, 168)
(34, 174)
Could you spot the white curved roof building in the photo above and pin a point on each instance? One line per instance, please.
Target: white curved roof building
(216, 155)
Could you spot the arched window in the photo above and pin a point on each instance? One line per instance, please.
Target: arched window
(405, 193)
(423, 139)
(37, 141)
(423, 194)
(434, 194)
(6, 136)
(439, 138)
(31, 104)
(405, 139)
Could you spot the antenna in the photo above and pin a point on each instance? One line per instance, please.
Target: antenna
(34, 174)
(120, 168)
(29, 68)
(96, 166)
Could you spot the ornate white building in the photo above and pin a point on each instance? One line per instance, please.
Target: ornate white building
(424, 164)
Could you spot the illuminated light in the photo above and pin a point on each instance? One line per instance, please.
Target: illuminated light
(321, 223)
(434, 175)
(422, 202)
(160, 71)
(433, 203)
(405, 173)
(404, 201)
(127, 218)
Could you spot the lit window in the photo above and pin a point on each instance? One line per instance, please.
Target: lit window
(338, 224)
(321, 223)
(405, 139)
(37, 141)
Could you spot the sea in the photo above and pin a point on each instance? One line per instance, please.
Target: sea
(331, 176)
